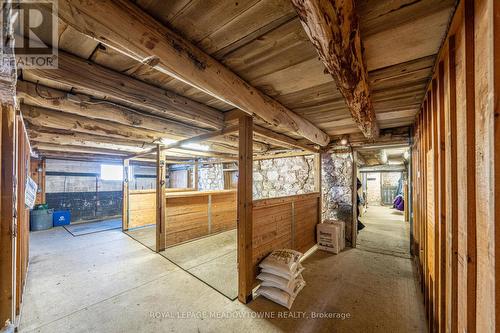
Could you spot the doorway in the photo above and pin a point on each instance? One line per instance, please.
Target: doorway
(383, 201)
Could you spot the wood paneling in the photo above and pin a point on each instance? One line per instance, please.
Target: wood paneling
(285, 222)
(453, 174)
(189, 214)
(23, 219)
(7, 145)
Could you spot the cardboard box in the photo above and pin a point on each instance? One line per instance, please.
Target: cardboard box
(328, 235)
(342, 231)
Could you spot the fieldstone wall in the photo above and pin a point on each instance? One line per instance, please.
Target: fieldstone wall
(283, 176)
(337, 188)
(210, 177)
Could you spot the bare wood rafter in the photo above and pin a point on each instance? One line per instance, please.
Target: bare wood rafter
(333, 28)
(88, 78)
(125, 27)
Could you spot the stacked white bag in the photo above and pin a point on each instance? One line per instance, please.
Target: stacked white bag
(281, 276)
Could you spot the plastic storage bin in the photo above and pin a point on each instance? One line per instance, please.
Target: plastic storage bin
(61, 217)
(41, 219)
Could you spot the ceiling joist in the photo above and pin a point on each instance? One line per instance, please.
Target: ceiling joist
(123, 26)
(88, 78)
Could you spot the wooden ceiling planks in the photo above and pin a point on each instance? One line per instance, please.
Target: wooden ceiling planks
(264, 43)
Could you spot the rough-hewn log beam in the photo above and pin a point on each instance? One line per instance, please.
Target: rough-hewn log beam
(125, 27)
(333, 28)
(195, 139)
(44, 118)
(280, 139)
(91, 79)
(86, 106)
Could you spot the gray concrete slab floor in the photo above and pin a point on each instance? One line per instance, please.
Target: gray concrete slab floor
(107, 282)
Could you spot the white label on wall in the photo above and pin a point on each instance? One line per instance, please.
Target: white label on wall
(30, 193)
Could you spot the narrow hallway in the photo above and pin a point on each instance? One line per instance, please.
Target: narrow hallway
(385, 232)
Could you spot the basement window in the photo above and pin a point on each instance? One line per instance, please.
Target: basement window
(111, 172)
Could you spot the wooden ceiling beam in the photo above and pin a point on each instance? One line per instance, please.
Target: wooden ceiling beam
(88, 78)
(86, 106)
(283, 140)
(193, 140)
(123, 26)
(90, 107)
(333, 28)
(61, 121)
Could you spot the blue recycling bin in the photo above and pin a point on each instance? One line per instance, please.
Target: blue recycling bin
(61, 217)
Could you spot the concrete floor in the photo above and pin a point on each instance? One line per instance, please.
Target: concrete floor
(107, 282)
(385, 231)
(211, 259)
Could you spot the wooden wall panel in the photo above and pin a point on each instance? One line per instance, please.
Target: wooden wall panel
(23, 229)
(187, 218)
(187, 212)
(223, 212)
(142, 208)
(455, 174)
(7, 145)
(285, 222)
(484, 158)
(306, 219)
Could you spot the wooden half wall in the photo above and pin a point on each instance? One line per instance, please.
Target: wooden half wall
(455, 176)
(189, 214)
(284, 223)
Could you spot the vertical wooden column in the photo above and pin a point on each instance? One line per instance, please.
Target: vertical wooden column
(195, 175)
(441, 189)
(161, 169)
(496, 156)
(7, 228)
(354, 228)
(125, 191)
(318, 184)
(470, 81)
(245, 201)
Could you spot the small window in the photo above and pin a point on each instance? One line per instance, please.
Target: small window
(111, 172)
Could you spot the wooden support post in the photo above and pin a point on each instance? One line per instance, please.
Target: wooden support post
(161, 168)
(7, 168)
(195, 175)
(7, 222)
(125, 203)
(245, 202)
(354, 227)
(318, 184)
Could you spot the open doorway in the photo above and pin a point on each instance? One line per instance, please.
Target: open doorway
(383, 201)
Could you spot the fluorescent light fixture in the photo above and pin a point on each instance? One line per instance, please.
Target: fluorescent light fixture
(394, 162)
(196, 146)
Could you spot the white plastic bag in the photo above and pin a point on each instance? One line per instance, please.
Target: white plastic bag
(279, 296)
(271, 280)
(284, 261)
(285, 275)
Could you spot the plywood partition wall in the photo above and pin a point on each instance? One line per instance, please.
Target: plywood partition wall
(454, 177)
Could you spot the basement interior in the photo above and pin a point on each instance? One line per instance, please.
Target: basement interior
(251, 165)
